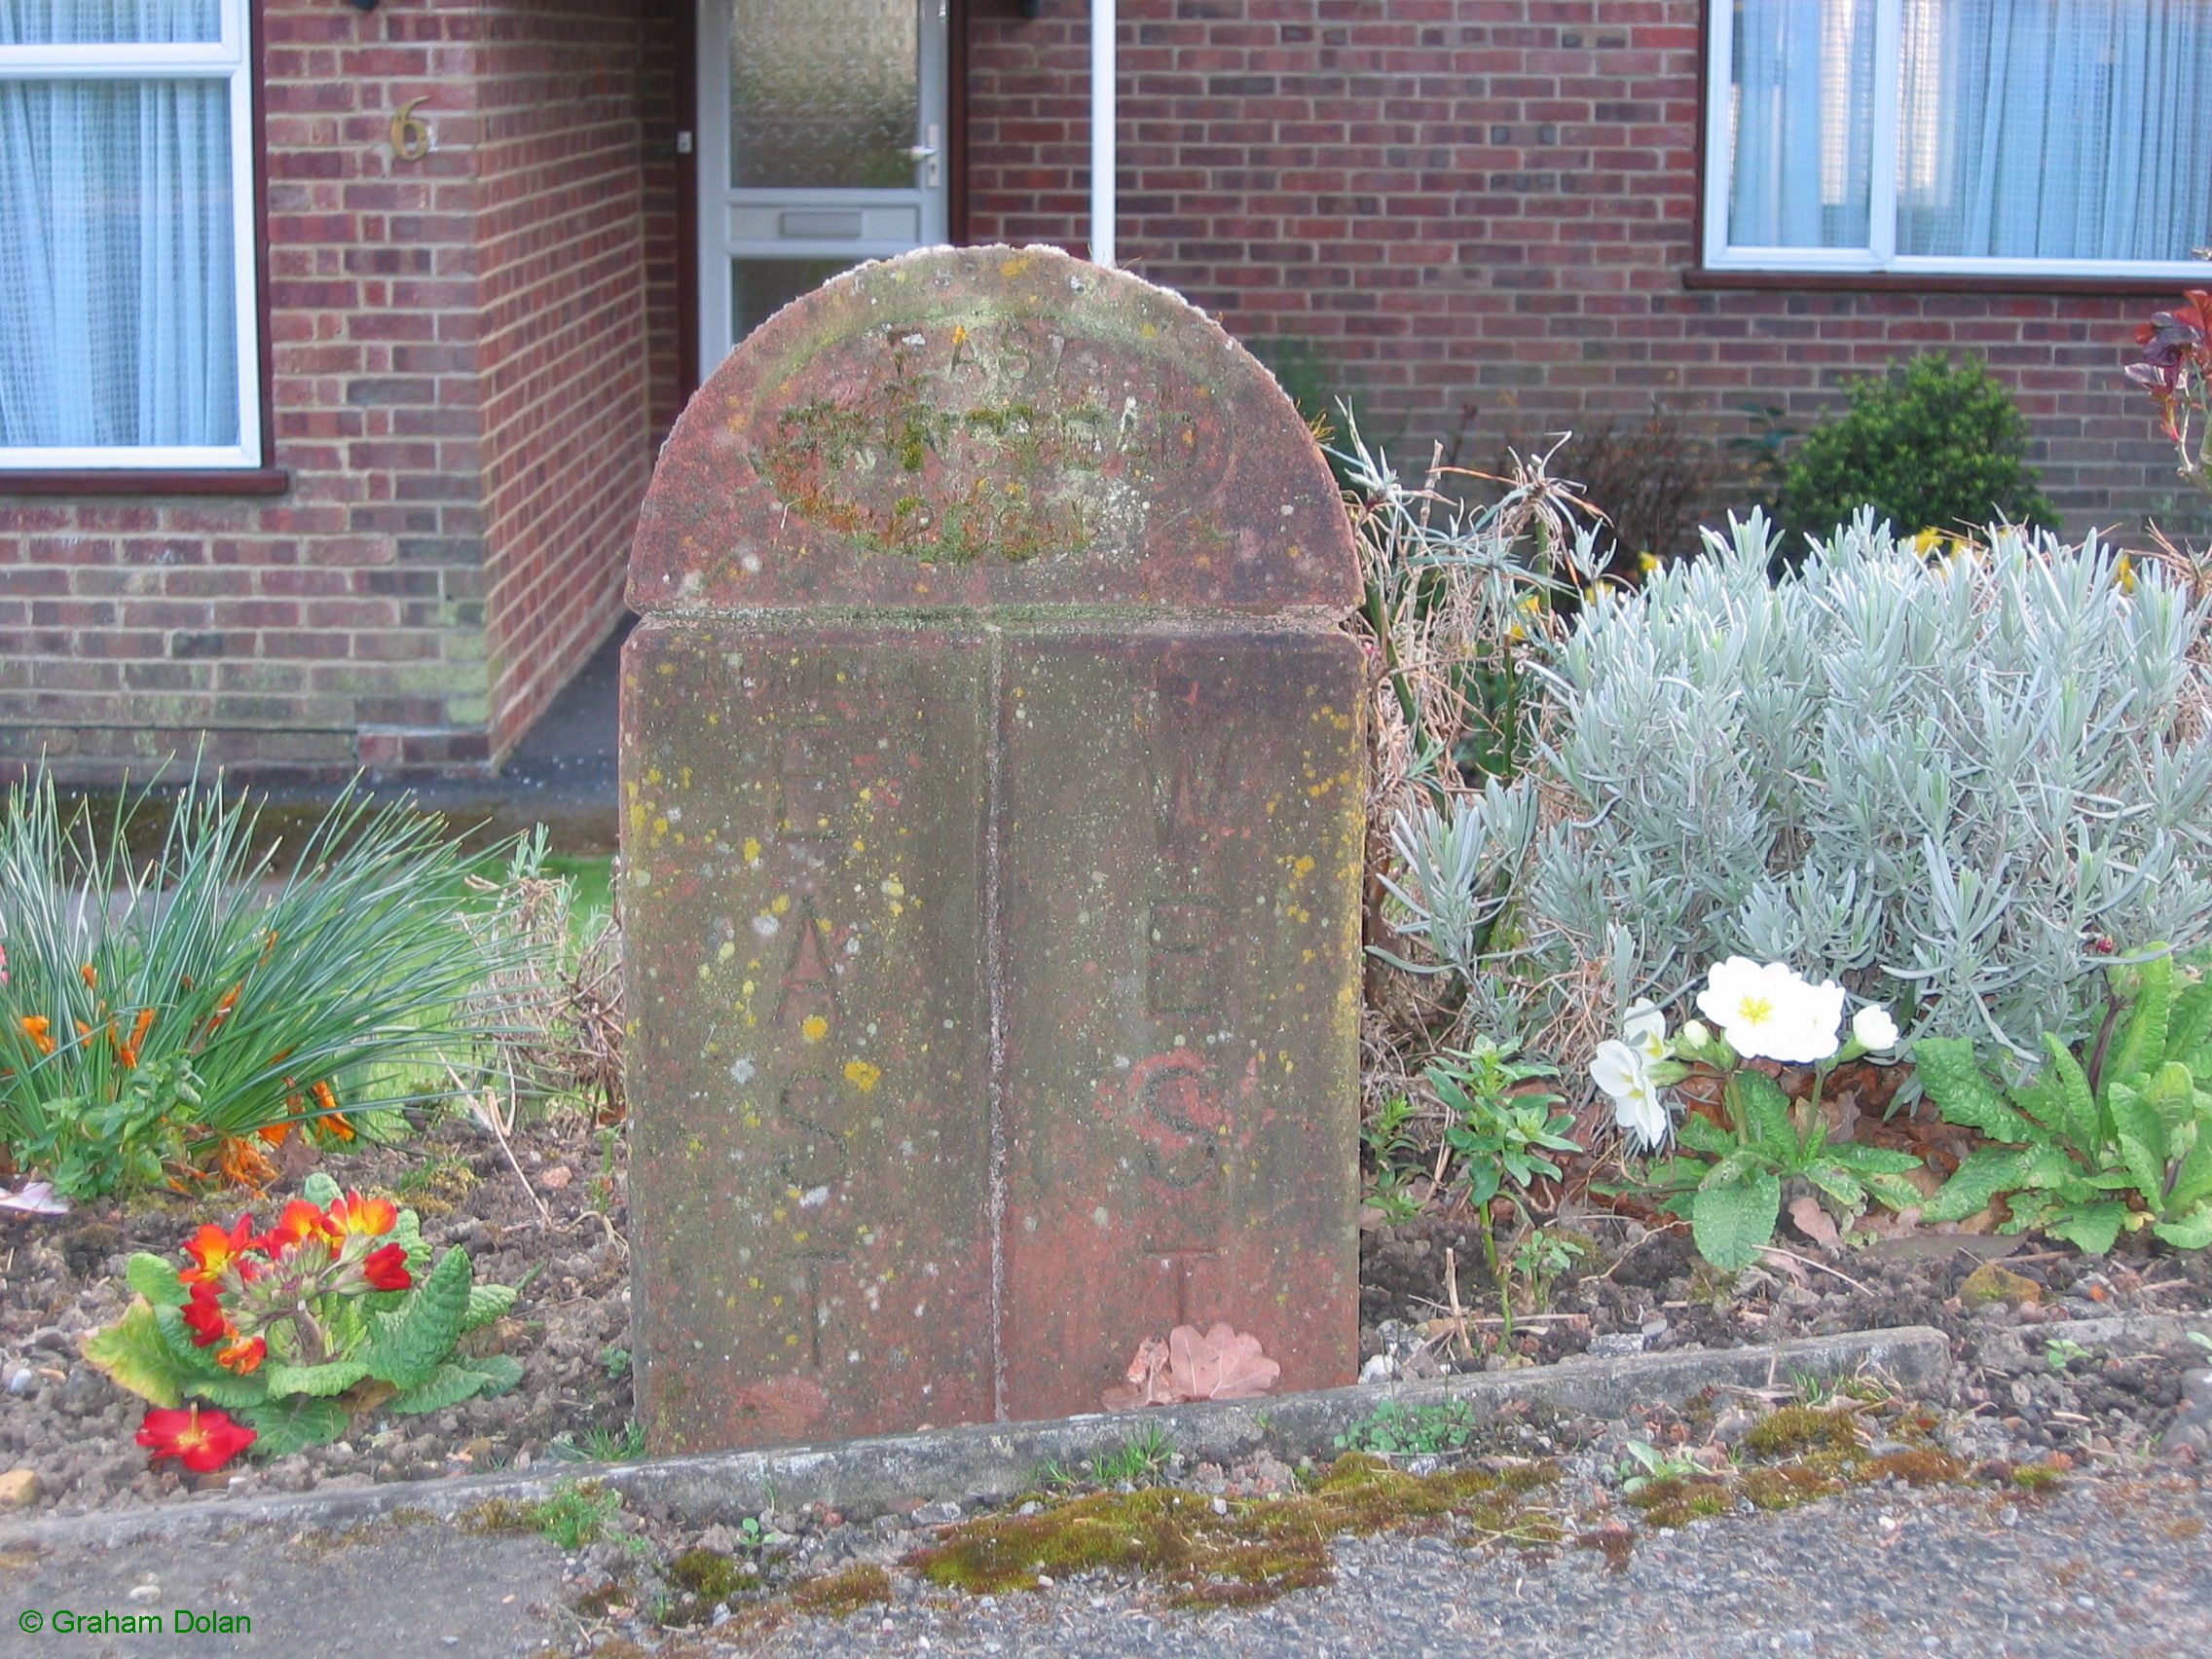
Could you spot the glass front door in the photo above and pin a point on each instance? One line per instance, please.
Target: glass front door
(821, 144)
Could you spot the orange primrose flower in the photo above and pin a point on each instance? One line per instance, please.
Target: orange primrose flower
(244, 1357)
(35, 1026)
(203, 1441)
(300, 1224)
(364, 1217)
(214, 1249)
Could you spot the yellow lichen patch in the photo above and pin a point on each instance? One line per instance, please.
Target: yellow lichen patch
(814, 1028)
(862, 1074)
(752, 849)
(1242, 1551)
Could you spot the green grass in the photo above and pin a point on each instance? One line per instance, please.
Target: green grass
(593, 878)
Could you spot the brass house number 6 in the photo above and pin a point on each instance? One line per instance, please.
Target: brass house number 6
(410, 133)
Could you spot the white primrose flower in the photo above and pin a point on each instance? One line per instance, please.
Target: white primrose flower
(1646, 1029)
(1773, 1011)
(1624, 1073)
(1873, 1030)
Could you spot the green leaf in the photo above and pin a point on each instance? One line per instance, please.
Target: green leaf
(2092, 1227)
(447, 1386)
(1896, 1192)
(2172, 1094)
(2142, 1042)
(1872, 1159)
(1703, 1134)
(500, 1374)
(487, 1302)
(2189, 1027)
(155, 1277)
(320, 1191)
(406, 1347)
(1954, 1081)
(286, 1426)
(2142, 1136)
(1839, 1183)
(1760, 1109)
(2078, 1124)
(319, 1381)
(2189, 1231)
(1985, 1175)
(1731, 1224)
(133, 1355)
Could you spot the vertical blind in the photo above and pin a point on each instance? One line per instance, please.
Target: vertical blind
(118, 239)
(2073, 129)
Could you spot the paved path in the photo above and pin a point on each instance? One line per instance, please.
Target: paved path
(2110, 1566)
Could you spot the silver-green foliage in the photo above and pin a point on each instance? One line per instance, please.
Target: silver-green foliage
(1938, 781)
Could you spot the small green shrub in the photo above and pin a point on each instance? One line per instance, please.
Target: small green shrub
(168, 1018)
(1929, 445)
(1946, 785)
(2119, 1139)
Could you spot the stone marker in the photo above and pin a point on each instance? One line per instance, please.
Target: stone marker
(992, 789)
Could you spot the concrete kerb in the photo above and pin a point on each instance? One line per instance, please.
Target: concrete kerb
(992, 1461)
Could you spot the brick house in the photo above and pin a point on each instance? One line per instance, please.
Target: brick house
(336, 343)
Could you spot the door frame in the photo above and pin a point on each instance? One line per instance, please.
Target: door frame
(687, 180)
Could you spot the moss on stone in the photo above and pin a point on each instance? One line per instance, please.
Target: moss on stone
(1231, 1552)
(1797, 1430)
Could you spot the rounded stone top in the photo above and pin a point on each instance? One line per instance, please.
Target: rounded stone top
(992, 427)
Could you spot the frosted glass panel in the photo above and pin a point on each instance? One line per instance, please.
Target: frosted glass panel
(118, 299)
(1801, 123)
(108, 22)
(823, 96)
(2054, 129)
(759, 288)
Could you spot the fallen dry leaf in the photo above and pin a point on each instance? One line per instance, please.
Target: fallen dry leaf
(1814, 1223)
(1221, 1363)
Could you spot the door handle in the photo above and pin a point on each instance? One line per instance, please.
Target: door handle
(920, 152)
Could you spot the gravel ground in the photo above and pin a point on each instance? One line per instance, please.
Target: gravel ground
(2111, 1566)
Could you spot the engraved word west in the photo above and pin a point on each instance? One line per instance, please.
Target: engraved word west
(992, 830)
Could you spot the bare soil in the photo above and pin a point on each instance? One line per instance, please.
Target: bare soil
(551, 1216)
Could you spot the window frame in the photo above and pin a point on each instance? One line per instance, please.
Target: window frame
(245, 467)
(1721, 259)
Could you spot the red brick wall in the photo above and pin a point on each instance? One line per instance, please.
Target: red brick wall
(1490, 205)
(562, 357)
(427, 318)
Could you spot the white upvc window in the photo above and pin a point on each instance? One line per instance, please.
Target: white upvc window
(129, 331)
(2000, 137)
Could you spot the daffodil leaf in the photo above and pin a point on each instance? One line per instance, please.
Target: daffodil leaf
(133, 1355)
(154, 1278)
